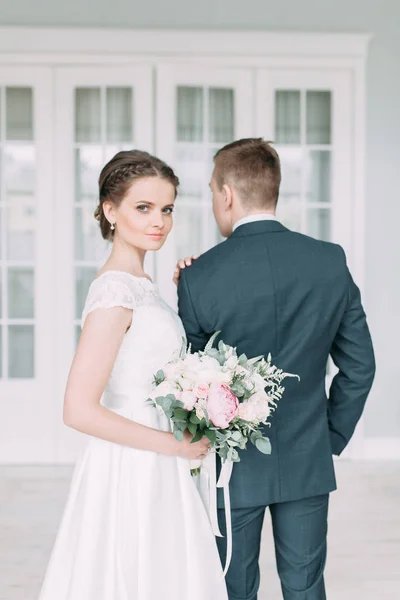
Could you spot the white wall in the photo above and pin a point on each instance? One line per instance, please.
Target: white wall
(380, 17)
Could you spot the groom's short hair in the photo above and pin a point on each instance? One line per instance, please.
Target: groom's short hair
(252, 167)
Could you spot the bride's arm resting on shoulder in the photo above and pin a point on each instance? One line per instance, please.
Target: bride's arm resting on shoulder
(100, 341)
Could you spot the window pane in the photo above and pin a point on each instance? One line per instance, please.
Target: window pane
(20, 351)
(19, 113)
(189, 114)
(89, 245)
(292, 160)
(21, 223)
(88, 115)
(287, 117)
(88, 164)
(319, 223)
(189, 228)
(20, 170)
(1, 295)
(84, 277)
(20, 293)
(318, 176)
(119, 114)
(289, 213)
(191, 168)
(318, 117)
(1, 351)
(111, 150)
(221, 111)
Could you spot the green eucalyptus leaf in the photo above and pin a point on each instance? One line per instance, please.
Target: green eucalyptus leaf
(211, 435)
(181, 413)
(178, 434)
(263, 445)
(256, 435)
(177, 404)
(199, 435)
(223, 452)
(192, 428)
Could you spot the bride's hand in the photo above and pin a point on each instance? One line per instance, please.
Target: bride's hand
(182, 264)
(196, 451)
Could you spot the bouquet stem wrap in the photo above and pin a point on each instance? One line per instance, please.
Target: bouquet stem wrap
(208, 485)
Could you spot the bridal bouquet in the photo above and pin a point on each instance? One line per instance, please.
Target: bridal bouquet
(220, 395)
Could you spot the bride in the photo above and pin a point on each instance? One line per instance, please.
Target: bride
(134, 526)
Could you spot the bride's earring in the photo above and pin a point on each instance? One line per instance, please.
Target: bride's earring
(112, 227)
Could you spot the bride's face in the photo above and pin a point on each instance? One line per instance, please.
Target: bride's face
(144, 217)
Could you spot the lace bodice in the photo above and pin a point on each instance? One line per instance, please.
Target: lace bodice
(152, 340)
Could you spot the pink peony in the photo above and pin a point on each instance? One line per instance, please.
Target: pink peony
(222, 405)
(201, 391)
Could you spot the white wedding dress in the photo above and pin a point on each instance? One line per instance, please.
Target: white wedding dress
(134, 526)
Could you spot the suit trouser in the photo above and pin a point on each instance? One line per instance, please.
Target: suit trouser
(300, 529)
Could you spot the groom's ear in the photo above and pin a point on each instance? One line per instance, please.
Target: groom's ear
(228, 196)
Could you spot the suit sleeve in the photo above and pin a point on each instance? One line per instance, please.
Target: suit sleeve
(353, 354)
(194, 333)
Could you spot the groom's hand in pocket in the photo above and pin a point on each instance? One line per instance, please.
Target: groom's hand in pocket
(182, 264)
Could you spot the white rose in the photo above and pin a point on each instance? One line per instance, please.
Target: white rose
(258, 381)
(186, 384)
(262, 406)
(165, 388)
(208, 363)
(172, 371)
(191, 360)
(211, 376)
(248, 411)
(189, 400)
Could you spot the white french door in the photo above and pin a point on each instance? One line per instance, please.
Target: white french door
(308, 114)
(26, 243)
(199, 110)
(59, 126)
(99, 111)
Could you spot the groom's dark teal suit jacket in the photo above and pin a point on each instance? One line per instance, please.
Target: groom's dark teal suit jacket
(270, 290)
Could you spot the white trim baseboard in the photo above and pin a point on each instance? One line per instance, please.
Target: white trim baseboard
(381, 448)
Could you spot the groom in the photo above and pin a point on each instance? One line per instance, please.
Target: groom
(268, 289)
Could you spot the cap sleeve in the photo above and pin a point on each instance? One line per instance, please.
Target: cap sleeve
(108, 291)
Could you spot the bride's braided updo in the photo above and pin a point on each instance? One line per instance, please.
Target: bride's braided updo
(118, 175)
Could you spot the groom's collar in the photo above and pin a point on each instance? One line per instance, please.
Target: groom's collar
(253, 219)
(255, 227)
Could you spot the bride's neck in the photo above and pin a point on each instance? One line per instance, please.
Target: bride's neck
(126, 259)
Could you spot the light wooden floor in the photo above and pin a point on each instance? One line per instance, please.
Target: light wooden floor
(364, 532)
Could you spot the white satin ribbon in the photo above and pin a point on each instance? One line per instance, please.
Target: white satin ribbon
(208, 490)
